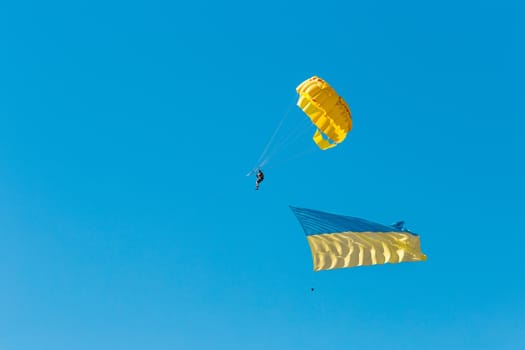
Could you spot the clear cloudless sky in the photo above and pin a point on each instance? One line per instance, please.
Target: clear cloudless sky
(127, 129)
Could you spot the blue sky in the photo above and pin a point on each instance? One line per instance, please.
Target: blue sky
(126, 131)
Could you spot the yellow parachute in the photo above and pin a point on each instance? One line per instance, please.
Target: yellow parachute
(327, 110)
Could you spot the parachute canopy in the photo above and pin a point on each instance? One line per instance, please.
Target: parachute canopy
(327, 110)
(338, 241)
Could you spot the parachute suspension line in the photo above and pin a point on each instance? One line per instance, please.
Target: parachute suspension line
(298, 131)
(295, 156)
(271, 141)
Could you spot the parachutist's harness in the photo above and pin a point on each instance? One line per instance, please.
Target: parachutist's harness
(260, 177)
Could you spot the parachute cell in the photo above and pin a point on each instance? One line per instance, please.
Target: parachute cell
(338, 241)
(328, 111)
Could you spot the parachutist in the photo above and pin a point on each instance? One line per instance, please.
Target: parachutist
(260, 178)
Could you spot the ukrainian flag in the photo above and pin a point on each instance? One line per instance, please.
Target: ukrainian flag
(338, 241)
